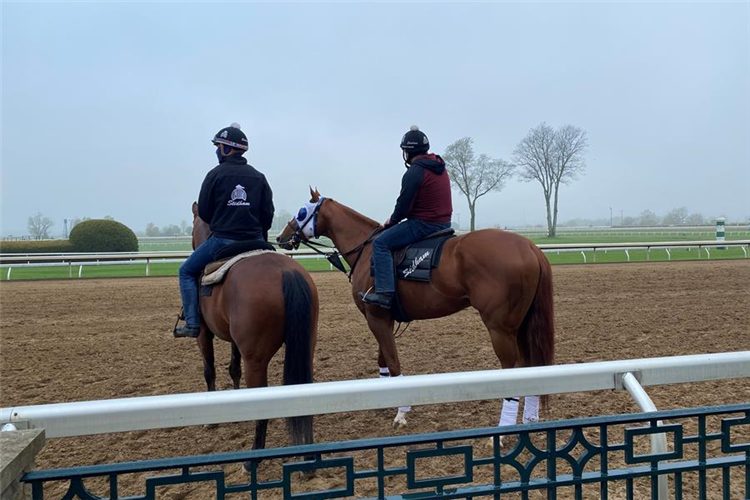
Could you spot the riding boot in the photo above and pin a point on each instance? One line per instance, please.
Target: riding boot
(382, 299)
(192, 332)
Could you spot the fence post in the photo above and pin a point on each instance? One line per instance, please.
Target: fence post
(18, 451)
(720, 231)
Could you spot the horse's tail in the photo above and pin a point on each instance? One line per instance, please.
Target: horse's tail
(537, 334)
(298, 339)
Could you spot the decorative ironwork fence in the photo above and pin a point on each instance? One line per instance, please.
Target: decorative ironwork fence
(708, 457)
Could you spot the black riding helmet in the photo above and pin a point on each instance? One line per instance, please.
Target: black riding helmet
(415, 142)
(231, 136)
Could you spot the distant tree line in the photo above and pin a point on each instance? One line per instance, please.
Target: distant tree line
(184, 229)
(39, 225)
(676, 217)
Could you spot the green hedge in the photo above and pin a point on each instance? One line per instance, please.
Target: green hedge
(33, 246)
(102, 235)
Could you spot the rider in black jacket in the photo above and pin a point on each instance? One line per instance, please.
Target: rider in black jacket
(237, 203)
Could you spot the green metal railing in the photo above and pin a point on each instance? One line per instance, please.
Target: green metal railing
(602, 457)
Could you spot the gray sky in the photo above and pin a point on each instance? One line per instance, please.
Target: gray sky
(108, 108)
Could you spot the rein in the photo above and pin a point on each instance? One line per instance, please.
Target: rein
(333, 257)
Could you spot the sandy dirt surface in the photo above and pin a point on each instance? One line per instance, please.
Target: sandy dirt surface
(97, 339)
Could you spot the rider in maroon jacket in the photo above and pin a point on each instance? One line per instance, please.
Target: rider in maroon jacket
(425, 203)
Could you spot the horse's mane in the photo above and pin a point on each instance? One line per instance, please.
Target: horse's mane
(360, 218)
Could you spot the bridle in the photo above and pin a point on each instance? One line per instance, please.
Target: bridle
(299, 237)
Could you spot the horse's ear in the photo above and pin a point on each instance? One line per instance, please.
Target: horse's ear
(195, 209)
(317, 193)
(314, 195)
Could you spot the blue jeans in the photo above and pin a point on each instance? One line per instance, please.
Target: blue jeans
(190, 272)
(393, 238)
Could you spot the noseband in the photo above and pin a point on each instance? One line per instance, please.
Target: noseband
(298, 237)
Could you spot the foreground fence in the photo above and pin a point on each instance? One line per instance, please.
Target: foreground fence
(581, 459)
(705, 450)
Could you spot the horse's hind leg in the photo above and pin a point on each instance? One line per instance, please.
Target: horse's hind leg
(235, 366)
(505, 345)
(256, 375)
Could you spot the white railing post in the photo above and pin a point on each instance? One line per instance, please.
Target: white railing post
(8, 277)
(658, 441)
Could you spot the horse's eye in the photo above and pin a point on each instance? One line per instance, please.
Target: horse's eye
(302, 215)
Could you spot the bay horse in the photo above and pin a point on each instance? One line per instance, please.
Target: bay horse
(503, 275)
(263, 302)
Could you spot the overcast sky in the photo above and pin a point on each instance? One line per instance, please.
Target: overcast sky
(109, 108)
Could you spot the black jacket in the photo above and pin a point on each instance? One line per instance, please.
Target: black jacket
(236, 201)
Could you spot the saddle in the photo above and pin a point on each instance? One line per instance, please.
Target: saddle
(416, 261)
(214, 273)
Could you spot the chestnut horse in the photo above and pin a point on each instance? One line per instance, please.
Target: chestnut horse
(503, 275)
(263, 302)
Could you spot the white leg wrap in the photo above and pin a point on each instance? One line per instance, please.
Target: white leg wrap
(404, 409)
(530, 409)
(509, 413)
(384, 373)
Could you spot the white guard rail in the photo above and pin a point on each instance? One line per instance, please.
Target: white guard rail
(155, 412)
(64, 258)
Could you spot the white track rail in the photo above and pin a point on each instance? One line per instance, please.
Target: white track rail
(177, 410)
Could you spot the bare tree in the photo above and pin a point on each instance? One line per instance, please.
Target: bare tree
(676, 217)
(474, 176)
(152, 229)
(39, 226)
(648, 218)
(551, 157)
(695, 219)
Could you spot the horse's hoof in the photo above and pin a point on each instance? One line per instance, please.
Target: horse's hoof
(210, 426)
(491, 442)
(400, 421)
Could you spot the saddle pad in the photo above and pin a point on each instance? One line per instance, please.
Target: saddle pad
(416, 261)
(217, 275)
(242, 246)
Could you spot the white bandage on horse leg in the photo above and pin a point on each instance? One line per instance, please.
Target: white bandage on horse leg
(403, 409)
(509, 413)
(384, 373)
(530, 409)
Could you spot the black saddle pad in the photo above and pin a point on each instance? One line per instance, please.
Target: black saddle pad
(239, 247)
(416, 261)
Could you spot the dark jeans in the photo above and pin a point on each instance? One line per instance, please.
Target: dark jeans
(190, 272)
(393, 238)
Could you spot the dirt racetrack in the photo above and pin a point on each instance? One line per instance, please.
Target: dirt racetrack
(97, 339)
